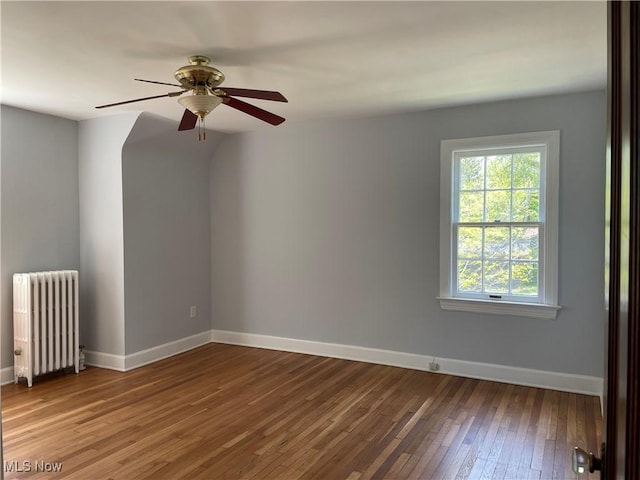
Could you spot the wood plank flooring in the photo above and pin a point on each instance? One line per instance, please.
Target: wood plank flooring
(228, 412)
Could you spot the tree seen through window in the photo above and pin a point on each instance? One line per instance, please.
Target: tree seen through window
(498, 223)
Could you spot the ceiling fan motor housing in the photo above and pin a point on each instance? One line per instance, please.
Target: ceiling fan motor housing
(199, 76)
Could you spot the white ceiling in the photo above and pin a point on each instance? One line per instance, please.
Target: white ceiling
(329, 59)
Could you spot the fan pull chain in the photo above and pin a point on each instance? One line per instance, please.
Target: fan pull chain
(202, 133)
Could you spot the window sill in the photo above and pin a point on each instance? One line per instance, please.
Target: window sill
(499, 307)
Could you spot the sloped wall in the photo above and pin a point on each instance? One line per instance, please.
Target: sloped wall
(101, 232)
(166, 225)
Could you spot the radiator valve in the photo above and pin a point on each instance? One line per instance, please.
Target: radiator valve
(81, 365)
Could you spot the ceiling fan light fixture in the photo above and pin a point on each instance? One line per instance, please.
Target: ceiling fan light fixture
(200, 105)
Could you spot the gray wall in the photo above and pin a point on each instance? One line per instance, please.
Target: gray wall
(101, 232)
(165, 182)
(328, 231)
(40, 219)
(325, 231)
(125, 193)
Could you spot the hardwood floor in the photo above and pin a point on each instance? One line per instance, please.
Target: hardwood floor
(227, 412)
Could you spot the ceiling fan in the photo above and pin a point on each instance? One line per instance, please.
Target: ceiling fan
(203, 82)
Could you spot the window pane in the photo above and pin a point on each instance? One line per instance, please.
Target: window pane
(524, 243)
(526, 205)
(496, 242)
(472, 173)
(470, 276)
(496, 276)
(524, 278)
(498, 206)
(499, 171)
(526, 170)
(471, 206)
(470, 242)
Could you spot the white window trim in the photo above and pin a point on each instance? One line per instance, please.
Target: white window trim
(548, 307)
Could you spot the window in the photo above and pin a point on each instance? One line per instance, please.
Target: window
(499, 217)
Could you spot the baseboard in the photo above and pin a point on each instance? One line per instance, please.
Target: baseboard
(6, 375)
(105, 360)
(150, 355)
(124, 363)
(486, 371)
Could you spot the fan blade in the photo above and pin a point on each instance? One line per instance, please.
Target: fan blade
(249, 93)
(254, 111)
(188, 121)
(170, 94)
(159, 83)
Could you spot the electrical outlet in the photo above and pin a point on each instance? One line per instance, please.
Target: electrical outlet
(434, 366)
(193, 311)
